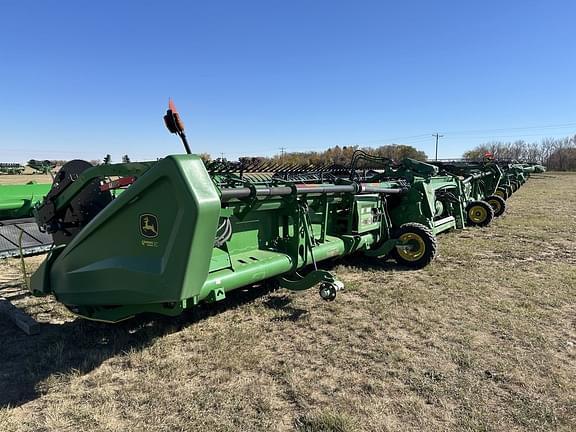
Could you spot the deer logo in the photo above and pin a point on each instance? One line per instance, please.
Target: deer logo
(148, 225)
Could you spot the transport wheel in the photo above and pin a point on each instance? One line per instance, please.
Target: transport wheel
(497, 203)
(502, 193)
(328, 290)
(418, 245)
(509, 190)
(479, 213)
(514, 186)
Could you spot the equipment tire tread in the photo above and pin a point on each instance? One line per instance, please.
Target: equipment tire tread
(487, 207)
(429, 238)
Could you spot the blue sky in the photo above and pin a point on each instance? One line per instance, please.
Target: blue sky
(81, 79)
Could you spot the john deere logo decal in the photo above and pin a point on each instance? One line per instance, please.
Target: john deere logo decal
(149, 225)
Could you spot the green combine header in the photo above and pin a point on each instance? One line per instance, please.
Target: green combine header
(19, 233)
(164, 236)
(41, 166)
(11, 168)
(515, 174)
(18, 201)
(182, 232)
(481, 181)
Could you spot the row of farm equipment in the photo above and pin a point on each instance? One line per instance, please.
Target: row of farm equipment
(162, 236)
(11, 168)
(37, 166)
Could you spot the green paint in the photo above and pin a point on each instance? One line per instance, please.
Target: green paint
(18, 201)
(152, 249)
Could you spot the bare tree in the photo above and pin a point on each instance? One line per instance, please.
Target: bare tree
(556, 154)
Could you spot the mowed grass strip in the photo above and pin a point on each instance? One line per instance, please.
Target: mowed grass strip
(482, 339)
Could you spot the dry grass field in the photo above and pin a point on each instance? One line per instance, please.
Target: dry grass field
(483, 339)
(25, 178)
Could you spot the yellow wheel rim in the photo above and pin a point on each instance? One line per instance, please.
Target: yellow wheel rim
(495, 204)
(412, 248)
(477, 214)
(500, 194)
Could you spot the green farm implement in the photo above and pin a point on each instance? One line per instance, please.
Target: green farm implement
(515, 174)
(18, 201)
(536, 168)
(19, 234)
(182, 232)
(11, 168)
(433, 200)
(41, 166)
(164, 236)
(481, 183)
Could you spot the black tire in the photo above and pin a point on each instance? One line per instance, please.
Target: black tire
(514, 186)
(479, 213)
(502, 192)
(509, 190)
(497, 204)
(420, 237)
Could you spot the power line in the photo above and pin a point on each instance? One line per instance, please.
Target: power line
(421, 138)
(479, 134)
(485, 137)
(473, 131)
(393, 139)
(322, 147)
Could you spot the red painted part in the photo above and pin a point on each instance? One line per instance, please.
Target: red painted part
(117, 184)
(171, 106)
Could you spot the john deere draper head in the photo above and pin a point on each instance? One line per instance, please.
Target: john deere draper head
(163, 236)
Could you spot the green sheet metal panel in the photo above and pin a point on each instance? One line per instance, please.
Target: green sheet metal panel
(150, 245)
(18, 201)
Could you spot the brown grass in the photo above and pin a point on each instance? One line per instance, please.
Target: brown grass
(483, 339)
(25, 178)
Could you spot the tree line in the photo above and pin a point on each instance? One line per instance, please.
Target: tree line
(557, 154)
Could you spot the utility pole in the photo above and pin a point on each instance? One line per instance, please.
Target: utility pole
(437, 135)
(222, 156)
(282, 152)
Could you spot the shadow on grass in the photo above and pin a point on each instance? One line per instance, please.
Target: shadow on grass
(369, 263)
(81, 346)
(9, 286)
(283, 304)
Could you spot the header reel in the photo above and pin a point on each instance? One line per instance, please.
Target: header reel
(63, 224)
